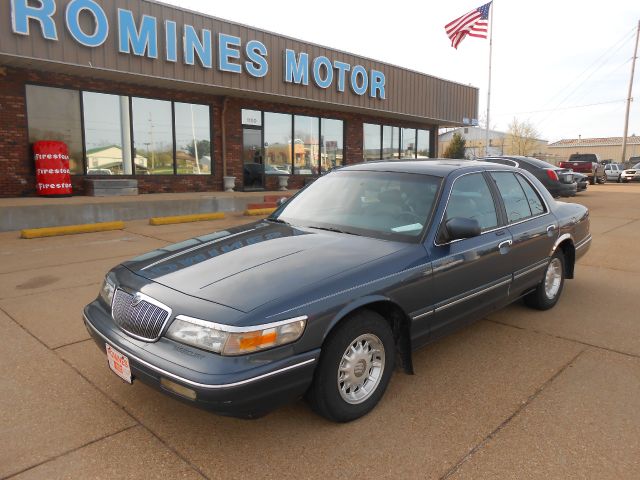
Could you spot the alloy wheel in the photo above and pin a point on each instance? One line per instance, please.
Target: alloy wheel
(360, 369)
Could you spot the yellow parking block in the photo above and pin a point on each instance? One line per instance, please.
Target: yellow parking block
(196, 217)
(71, 229)
(259, 211)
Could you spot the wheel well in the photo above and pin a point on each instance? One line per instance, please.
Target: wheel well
(400, 325)
(569, 252)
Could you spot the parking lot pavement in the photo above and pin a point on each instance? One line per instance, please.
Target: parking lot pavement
(522, 394)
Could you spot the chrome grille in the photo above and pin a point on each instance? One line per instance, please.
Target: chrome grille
(138, 315)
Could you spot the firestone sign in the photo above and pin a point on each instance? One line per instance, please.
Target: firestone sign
(140, 37)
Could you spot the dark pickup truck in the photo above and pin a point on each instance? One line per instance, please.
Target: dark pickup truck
(587, 164)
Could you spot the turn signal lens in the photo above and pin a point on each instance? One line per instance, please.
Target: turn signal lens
(552, 174)
(228, 340)
(278, 334)
(107, 289)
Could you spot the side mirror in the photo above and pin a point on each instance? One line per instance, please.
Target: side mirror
(459, 228)
(281, 201)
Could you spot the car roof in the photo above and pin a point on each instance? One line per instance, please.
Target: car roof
(536, 162)
(437, 167)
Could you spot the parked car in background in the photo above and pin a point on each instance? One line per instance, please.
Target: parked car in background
(587, 163)
(630, 174)
(559, 181)
(613, 171)
(582, 181)
(360, 268)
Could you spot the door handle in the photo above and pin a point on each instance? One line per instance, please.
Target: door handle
(503, 247)
(550, 230)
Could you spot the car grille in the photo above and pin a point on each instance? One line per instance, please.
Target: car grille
(141, 318)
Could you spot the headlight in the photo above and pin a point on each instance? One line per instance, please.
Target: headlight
(228, 340)
(108, 289)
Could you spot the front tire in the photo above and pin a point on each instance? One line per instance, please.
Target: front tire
(354, 369)
(548, 292)
(603, 179)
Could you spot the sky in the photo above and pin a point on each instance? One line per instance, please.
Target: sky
(562, 65)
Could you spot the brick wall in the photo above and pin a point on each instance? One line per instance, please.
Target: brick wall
(17, 174)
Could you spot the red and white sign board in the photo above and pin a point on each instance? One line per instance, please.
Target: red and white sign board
(53, 177)
(119, 363)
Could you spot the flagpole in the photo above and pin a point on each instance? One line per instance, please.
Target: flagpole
(486, 139)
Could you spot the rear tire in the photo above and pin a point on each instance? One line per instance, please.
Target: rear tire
(619, 178)
(354, 369)
(603, 179)
(548, 292)
(592, 180)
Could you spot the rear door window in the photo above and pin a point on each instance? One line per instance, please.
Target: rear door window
(535, 202)
(515, 201)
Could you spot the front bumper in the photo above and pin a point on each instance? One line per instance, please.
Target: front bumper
(247, 386)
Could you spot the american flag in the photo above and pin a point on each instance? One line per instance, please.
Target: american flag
(473, 24)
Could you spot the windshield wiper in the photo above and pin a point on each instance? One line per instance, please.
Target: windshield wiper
(333, 229)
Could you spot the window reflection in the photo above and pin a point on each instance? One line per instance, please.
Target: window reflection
(408, 149)
(277, 143)
(371, 142)
(306, 147)
(54, 114)
(390, 142)
(153, 136)
(193, 139)
(422, 146)
(107, 134)
(331, 144)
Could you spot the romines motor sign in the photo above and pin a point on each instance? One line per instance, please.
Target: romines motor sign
(140, 36)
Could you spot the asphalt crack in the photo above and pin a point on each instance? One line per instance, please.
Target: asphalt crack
(506, 421)
(560, 337)
(55, 457)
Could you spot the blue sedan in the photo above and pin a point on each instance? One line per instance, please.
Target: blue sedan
(360, 268)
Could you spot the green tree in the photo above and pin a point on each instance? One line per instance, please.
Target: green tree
(204, 148)
(457, 147)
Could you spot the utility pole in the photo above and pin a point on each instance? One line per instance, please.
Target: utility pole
(626, 117)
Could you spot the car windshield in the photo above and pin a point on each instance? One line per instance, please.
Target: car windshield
(389, 205)
(636, 166)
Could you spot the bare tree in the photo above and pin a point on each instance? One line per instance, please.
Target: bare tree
(522, 137)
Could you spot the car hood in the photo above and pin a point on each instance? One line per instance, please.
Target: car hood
(247, 267)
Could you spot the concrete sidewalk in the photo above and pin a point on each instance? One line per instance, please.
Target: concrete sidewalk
(522, 394)
(37, 212)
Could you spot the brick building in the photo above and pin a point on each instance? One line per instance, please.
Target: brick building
(178, 100)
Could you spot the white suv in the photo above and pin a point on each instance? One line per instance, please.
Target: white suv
(632, 173)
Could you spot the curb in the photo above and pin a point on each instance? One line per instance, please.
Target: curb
(259, 211)
(71, 229)
(196, 217)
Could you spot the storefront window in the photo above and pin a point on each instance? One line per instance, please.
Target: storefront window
(54, 114)
(423, 144)
(107, 134)
(152, 136)
(408, 149)
(331, 144)
(371, 141)
(277, 143)
(390, 142)
(306, 145)
(193, 139)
